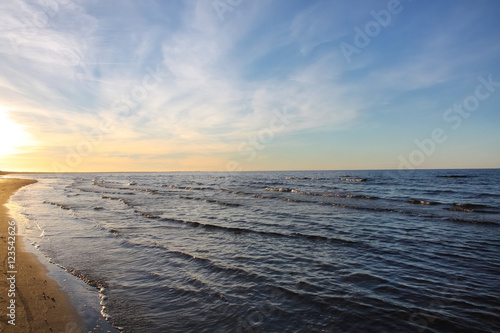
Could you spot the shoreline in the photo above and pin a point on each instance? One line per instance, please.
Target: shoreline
(40, 304)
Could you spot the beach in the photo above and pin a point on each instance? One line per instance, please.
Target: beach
(38, 303)
(284, 251)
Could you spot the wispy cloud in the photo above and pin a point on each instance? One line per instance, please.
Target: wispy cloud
(65, 67)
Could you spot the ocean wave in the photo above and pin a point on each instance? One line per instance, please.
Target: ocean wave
(264, 196)
(454, 176)
(229, 204)
(353, 179)
(114, 231)
(222, 203)
(187, 188)
(309, 287)
(456, 207)
(325, 239)
(461, 209)
(303, 178)
(375, 209)
(488, 223)
(423, 202)
(280, 189)
(295, 200)
(58, 205)
(106, 192)
(332, 195)
(235, 192)
(238, 230)
(487, 195)
(336, 204)
(186, 259)
(216, 267)
(123, 201)
(189, 198)
(335, 195)
(87, 278)
(473, 208)
(147, 215)
(99, 284)
(469, 205)
(92, 281)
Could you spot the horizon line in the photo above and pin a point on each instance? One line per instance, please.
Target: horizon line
(234, 171)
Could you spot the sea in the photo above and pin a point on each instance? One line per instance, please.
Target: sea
(276, 251)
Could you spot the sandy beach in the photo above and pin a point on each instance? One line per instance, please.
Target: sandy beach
(40, 305)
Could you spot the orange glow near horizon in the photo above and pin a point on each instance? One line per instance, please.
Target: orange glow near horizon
(12, 135)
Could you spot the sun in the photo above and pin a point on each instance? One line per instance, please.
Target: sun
(12, 135)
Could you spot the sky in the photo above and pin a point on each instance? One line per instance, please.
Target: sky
(229, 85)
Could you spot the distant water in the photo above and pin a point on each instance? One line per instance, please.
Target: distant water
(325, 251)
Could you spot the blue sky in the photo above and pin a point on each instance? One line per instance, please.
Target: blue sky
(248, 85)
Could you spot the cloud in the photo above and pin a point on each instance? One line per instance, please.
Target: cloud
(67, 67)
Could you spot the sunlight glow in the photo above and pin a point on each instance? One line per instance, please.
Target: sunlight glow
(12, 135)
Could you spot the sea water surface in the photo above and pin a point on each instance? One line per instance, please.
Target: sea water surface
(294, 251)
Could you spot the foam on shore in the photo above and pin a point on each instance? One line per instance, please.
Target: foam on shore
(40, 305)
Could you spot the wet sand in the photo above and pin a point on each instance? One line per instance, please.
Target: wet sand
(40, 304)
